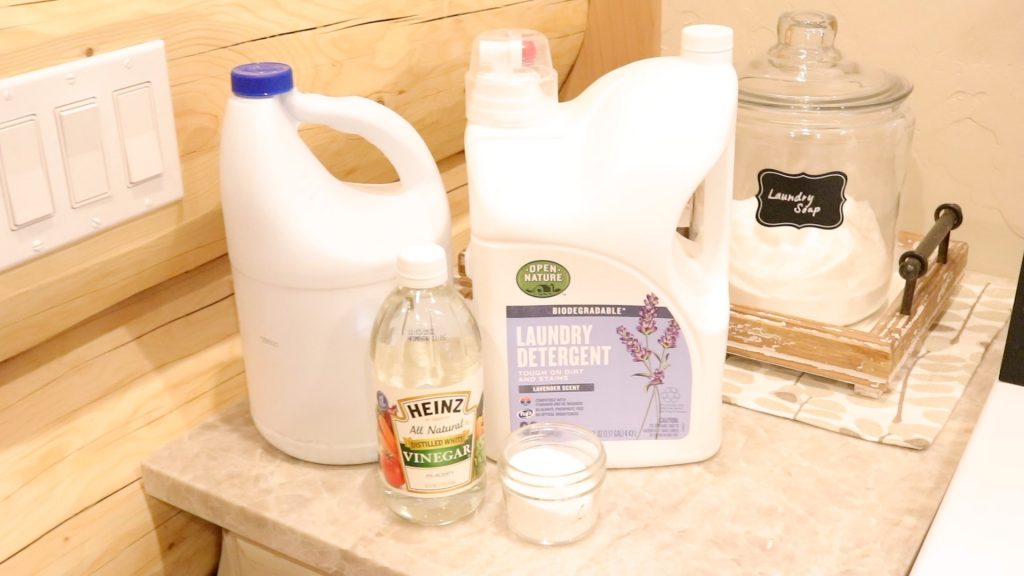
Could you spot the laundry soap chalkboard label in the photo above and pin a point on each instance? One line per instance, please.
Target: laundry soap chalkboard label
(800, 200)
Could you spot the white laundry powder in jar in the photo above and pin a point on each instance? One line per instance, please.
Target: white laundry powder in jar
(837, 276)
(550, 496)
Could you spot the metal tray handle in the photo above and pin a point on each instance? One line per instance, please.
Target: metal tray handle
(913, 264)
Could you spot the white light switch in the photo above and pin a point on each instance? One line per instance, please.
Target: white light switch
(26, 186)
(140, 140)
(82, 147)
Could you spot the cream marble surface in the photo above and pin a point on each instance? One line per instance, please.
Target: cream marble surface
(780, 497)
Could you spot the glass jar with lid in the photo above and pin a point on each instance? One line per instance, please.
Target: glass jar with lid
(821, 153)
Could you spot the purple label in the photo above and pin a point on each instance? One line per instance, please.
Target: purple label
(622, 371)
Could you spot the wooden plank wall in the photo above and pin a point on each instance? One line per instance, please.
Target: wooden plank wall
(409, 54)
(618, 32)
(79, 413)
(80, 410)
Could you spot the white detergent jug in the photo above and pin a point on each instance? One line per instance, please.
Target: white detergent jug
(592, 308)
(313, 257)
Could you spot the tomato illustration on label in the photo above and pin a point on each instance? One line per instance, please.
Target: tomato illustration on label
(387, 444)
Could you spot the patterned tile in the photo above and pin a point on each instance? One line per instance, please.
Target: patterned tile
(940, 372)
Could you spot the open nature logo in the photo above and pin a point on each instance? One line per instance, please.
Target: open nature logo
(542, 278)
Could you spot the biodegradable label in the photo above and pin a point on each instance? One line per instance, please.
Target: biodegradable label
(623, 371)
(431, 442)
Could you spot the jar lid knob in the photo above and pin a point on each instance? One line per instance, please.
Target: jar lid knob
(805, 40)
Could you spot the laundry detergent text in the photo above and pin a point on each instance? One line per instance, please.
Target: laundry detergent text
(557, 346)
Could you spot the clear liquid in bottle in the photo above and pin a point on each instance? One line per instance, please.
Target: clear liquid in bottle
(425, 350)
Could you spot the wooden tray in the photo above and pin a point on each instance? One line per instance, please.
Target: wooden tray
(873, 358)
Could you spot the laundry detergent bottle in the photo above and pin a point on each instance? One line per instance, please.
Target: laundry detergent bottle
(313, 257)
(593, 310)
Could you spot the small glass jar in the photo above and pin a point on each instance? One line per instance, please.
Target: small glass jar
(821, 152)
(551, 475)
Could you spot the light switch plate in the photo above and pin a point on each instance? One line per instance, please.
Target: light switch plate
(134, 153)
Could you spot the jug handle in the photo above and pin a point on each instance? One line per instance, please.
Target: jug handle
(381, 126)
(714, 240)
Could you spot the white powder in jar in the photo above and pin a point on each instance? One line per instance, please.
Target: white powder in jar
(837, 276)
(542, 509)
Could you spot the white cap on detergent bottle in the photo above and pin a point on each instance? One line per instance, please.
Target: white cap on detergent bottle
(708, 43)
(511, 81)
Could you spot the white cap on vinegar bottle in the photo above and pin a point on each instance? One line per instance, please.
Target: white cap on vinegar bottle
(422, 266)
(710, 43)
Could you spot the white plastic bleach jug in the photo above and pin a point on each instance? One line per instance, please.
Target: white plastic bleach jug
(592, 308)
(313, 257)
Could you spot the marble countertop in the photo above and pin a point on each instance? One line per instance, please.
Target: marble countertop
(780, 497)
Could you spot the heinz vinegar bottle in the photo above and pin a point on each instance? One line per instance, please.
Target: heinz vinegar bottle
(429, 388)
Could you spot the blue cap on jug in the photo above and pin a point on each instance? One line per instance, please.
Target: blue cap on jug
(261, 79)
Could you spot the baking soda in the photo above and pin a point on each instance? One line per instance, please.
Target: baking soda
(545, 511)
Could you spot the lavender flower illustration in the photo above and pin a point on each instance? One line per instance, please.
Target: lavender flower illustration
(633, 346)
(646, 325)
(668, 339)
(656, 364)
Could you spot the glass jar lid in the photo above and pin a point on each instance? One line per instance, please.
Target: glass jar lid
(804, 71)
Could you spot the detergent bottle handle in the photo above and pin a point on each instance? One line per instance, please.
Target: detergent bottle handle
(715, 231)
(379, 125)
